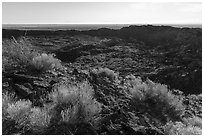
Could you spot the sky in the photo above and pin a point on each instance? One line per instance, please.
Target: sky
(101, 13)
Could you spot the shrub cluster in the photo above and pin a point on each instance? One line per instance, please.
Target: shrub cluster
(104, 73)
(21, 53)
(70, 104)
(6, 100)
(76, 103)
(19, 112)
(17, 53)
(159, 101)
(39, 119)
(155, 97)
(21, 116)
(190, 126)
(45, 62)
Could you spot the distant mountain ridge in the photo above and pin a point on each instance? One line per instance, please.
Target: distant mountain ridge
(85, 26)
(16, 31)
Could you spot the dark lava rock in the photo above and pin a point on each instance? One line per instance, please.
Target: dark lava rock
(22, 90)
(28, 85)
(42, 84)
(21, 78)
(53, 81)
(64, 128)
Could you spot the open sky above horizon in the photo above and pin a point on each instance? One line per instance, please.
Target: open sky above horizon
(101, 13)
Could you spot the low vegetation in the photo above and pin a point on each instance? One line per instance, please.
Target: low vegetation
(76, 103)
(43, 96)
(22, 54)
(45, 62)
(158, 98)
(17, 53)
(179, 128)
(104, 73)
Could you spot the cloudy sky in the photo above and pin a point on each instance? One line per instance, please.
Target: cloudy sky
(90, 12)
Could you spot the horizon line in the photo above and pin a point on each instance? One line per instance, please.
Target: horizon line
(103, 23)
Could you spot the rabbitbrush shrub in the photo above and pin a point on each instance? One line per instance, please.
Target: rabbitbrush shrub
(8, 124)
(105, 73)
(19, 112)
(179, 128)
(45, 62)
(76, 102)
(39, 119)
(19, 116)
(7, 99)
(193, 121)
(155, 97)
(17, 53)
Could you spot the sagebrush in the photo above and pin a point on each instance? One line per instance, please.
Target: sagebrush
(17, 53)
(45, 62)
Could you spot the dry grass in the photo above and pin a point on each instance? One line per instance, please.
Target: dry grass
(17, 53)
(22, 54)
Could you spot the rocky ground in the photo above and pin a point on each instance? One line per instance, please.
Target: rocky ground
(178, 67)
